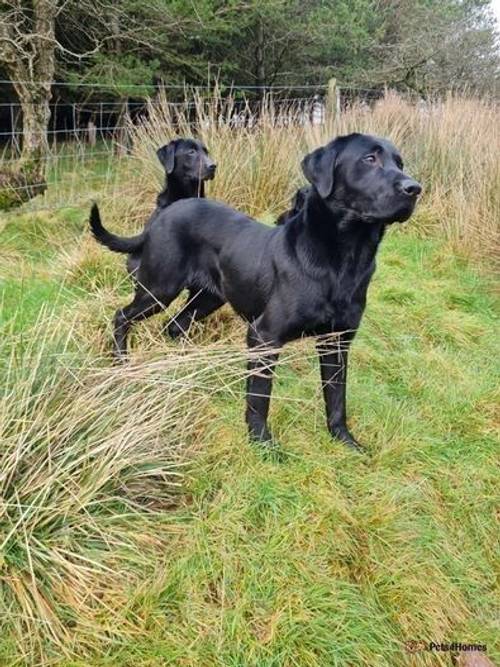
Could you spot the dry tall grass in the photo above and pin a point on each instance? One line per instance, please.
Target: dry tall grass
(451, 145)
(90, 456)
(257, 167)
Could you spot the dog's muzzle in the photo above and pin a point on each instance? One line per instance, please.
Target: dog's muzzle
(409, 187)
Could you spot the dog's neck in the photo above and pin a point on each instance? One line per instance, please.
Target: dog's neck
(176, 189)
(333, 232)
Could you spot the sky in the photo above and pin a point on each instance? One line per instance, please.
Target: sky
(496, 8)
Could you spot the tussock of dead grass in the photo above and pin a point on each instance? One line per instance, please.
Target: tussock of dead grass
(90, 456)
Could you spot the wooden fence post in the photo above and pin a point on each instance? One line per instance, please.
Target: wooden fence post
(332, 100)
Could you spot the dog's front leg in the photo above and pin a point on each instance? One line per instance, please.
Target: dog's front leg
(333, 355)
(259, 383)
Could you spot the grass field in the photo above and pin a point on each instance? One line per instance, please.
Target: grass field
(137, 525)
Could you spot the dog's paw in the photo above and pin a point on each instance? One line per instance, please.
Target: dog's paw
(174, 331)
(271, 450)
(342, 433)
(119, 359)
(268, 446)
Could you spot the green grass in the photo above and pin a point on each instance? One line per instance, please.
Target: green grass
(76, 174)
(329, 558)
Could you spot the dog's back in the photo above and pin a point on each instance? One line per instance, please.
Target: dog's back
(199, 221)
(208, 245)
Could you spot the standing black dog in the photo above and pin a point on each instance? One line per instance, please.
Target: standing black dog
(187, 166)
(308, 277)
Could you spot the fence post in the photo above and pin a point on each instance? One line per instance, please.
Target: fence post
(332, 100)
(92, 132)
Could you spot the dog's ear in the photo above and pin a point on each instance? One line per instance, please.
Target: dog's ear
(166, 155)
(318, 167)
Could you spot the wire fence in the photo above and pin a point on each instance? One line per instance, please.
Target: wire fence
(88, 138)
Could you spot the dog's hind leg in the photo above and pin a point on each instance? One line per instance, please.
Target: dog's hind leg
(144, 305)
(133, 264)
(199, 305)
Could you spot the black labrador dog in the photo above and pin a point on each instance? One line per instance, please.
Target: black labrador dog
(307, 277)
(187, 166)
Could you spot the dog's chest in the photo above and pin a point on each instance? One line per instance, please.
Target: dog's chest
(334, 303)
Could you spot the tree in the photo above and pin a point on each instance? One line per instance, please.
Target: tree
(27, 46)
(126, 45)
(38, 34)
(294, 42)
(436, 45)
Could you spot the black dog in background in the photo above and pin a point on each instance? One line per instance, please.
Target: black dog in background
(307, 277)
(187, 166)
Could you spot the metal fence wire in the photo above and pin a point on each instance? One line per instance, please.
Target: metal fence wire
(89, 135)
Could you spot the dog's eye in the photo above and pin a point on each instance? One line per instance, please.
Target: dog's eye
(370, 159)
(399, 163)
(192, 152)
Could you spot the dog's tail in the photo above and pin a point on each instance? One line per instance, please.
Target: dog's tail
(115, 243)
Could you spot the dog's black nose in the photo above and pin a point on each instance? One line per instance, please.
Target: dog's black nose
(212, 167)
(410, 187)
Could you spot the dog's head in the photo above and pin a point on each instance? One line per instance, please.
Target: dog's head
(187, 160)
(363, 174)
